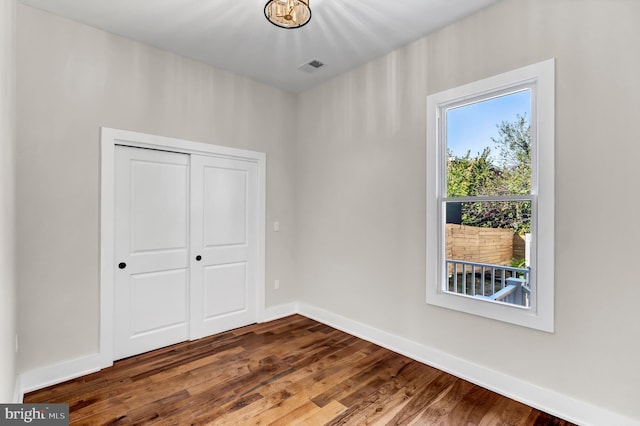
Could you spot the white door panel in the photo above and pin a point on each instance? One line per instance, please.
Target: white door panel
(225, 289)
(151, 293)
(225, 204)
(153, 301)
(159, 217)
(224, 233)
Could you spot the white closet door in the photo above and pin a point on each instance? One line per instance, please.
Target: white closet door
(151, 294)
(224, 244)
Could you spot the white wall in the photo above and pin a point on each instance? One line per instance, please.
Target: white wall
(72, 79)
(355, 215)
(7, 201)
(361, 194)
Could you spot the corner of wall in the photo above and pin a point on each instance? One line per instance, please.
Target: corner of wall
(8, 286)
(53, 374)
(18, 394)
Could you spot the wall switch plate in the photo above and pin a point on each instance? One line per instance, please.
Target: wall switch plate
(276, 284)
(276, 226)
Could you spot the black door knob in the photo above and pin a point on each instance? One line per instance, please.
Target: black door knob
(198, 258)
(122, 265)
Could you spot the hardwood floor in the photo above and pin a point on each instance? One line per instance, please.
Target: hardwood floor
(290, 371)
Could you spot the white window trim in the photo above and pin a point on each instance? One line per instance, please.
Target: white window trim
(540, 315)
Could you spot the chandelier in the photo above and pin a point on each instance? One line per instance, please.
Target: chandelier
(288, 13)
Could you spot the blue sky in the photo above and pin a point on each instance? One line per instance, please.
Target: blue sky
(471, 127)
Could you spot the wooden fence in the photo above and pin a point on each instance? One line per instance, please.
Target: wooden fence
(519, 244)
(483, 245)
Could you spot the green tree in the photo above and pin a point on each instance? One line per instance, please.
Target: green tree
(514, 144)
(483, 176)
(468, 176)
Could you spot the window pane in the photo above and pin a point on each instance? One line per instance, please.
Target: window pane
(489, 147)
(487, 250)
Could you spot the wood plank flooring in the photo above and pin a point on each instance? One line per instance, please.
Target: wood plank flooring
(293, 371)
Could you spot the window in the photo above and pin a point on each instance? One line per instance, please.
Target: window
(490, 197)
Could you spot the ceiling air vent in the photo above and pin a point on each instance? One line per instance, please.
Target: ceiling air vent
(311, 66)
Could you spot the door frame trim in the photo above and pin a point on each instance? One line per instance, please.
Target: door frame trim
(109, 138)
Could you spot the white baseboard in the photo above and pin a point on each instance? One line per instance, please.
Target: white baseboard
(549, 401)
(277, 312)
(18, 394)
(50, 375)
(46, 376)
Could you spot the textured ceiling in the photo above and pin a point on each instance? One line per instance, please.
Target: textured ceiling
(234, 34)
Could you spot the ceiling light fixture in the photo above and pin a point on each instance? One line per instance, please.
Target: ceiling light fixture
(288, 13)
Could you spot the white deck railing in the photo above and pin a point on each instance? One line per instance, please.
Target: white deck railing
(495, 282)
